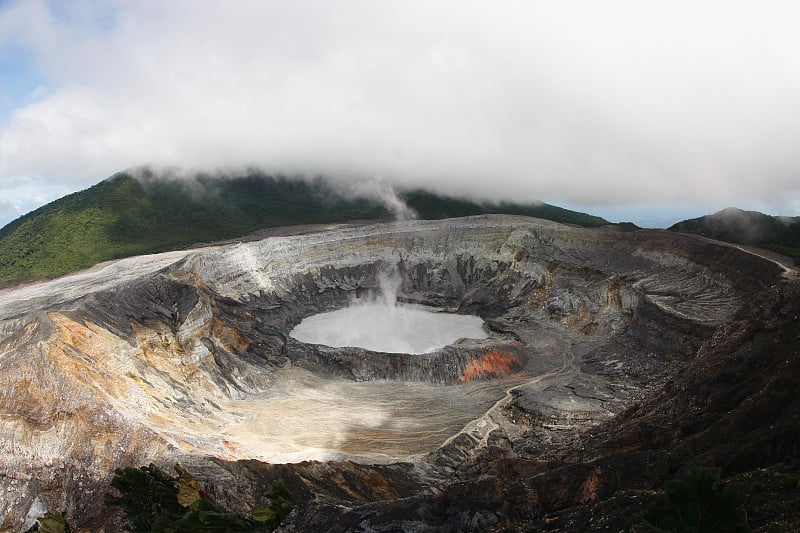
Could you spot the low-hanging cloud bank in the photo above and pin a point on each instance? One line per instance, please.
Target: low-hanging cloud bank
(591, 103)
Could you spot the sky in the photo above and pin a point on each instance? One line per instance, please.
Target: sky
(632, 110)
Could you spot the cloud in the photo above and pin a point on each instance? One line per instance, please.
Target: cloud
(606, 104)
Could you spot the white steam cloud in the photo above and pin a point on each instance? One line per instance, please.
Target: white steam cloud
(383, 193)
(613, 103)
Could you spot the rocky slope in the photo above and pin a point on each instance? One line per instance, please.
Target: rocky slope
(593, 332)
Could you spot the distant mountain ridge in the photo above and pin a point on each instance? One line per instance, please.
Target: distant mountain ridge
(126, 215)
(781, 234)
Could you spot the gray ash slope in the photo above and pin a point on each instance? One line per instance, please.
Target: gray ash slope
(163, 359)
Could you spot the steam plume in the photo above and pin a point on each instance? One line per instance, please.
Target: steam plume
(384, 193)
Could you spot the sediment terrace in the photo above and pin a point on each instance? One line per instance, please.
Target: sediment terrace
(188, 354)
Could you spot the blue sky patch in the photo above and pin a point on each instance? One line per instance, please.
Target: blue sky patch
(19, 80)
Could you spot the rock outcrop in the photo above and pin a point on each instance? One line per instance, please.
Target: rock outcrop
(187, 357)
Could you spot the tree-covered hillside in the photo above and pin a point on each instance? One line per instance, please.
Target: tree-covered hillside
(125, 215)
(781, 234)
(432, 206)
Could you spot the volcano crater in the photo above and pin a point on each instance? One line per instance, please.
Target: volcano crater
(190, 354)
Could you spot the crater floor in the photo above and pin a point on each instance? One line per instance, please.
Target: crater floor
(313, 418)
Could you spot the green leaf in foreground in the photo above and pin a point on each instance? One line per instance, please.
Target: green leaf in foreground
(699, 504)
(153, 501)
(51, 523)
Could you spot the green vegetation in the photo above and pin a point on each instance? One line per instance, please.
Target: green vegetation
(156, 502)
(51, 523)
(699, 504)
(781, 234)
(124, 216)
(431, 206)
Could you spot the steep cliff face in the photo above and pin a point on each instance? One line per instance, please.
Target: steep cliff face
(187, 357)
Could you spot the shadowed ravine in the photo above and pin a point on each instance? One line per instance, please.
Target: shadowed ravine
(188, 357)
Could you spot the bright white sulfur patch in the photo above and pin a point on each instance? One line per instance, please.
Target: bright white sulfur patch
(37, 510)
(388, 328)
